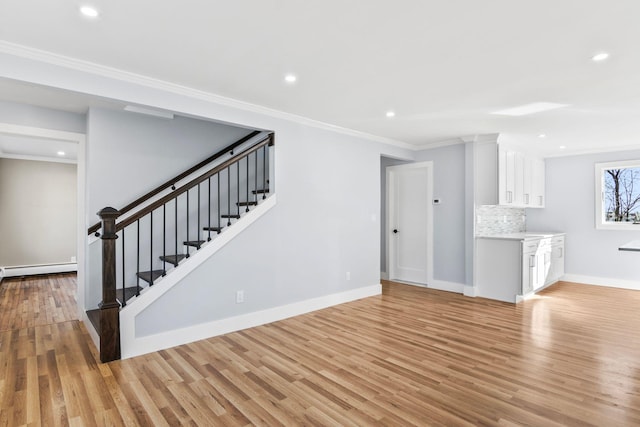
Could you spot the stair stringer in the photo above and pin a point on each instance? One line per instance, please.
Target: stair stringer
(130, 344)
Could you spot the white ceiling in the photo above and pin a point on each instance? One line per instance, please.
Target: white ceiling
(442, 66)
(24, 147)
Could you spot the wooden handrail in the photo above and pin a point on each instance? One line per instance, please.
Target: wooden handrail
(177, 178)
(153, 206)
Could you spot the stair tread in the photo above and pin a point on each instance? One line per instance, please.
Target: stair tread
(150, 276)
(173, 259)
(129, 293)
(195, 243)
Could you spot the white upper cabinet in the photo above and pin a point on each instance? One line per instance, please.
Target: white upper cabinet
(508, 177)
(511, 178)
(538, 184)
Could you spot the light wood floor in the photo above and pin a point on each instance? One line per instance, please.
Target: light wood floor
(409, 357)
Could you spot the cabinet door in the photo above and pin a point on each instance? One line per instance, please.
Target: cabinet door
(529, 265)
(528, 198)
(544, 266)
(505, 169)
(538, 184)
(557, 263)
(528, 272)
(518, 178)
(511, 177)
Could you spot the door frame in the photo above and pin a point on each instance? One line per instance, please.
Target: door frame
(81, 233)
(428, 165)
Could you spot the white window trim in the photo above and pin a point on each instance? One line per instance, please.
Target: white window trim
(599, 195)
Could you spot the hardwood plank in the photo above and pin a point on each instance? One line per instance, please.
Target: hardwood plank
(411, 356)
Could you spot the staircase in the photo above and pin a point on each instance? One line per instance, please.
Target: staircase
(157, 233)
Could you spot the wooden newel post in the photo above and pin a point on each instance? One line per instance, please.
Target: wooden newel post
(109, 307)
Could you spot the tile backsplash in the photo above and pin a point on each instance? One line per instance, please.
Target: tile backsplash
(492, 220)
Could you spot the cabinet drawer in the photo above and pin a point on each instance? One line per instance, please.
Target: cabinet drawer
(530, 246)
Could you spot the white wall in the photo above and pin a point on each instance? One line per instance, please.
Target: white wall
(29, 115)
(449, 216)
(326, 222)
(130, 154)
(570, 208)
(37, 212)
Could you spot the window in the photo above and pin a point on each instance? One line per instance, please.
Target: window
(618, 195)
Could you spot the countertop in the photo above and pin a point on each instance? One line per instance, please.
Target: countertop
(527, 235)
(631, 246)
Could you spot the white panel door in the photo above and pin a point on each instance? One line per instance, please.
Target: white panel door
(410, 222)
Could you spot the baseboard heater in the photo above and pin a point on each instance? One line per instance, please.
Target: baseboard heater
(30, 270)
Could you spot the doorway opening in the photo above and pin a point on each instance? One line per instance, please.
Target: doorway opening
(408, 223)
(49, 138)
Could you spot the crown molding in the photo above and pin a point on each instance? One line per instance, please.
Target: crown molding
(438, 144)
(586, 151)
(162, 85)
(480, 138)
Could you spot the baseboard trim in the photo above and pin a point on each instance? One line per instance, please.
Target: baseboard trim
(384, 275)
(443, 285)
(469, 291)
(438, 285)
(601, 281)
(91, 330)
(135, 346)
(39, 269)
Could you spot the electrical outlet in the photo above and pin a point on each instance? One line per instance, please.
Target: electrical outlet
(239, 297)
(348, 275)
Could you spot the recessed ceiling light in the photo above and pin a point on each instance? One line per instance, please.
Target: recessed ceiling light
(562, 147)
(290, 78)
(534, 107)
(391, 114)
(89, 11)
(61, 153)
(542, 135)
(600, 57)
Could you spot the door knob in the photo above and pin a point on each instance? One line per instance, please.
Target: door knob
(395, 230)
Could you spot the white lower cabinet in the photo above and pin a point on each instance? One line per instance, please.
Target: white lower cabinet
(556, 268)
(509, 268)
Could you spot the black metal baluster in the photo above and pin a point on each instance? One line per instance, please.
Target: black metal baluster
(151, 248)
(175, 219)
(267, 154)
(187, 221)
(264, 172)
(219, 218)
(164, 239)
(255, 174)
(124, 283)
(229, 195)
(198, 229)
(138, 260)
(247, 199)
(238, 186)
(209, 210)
